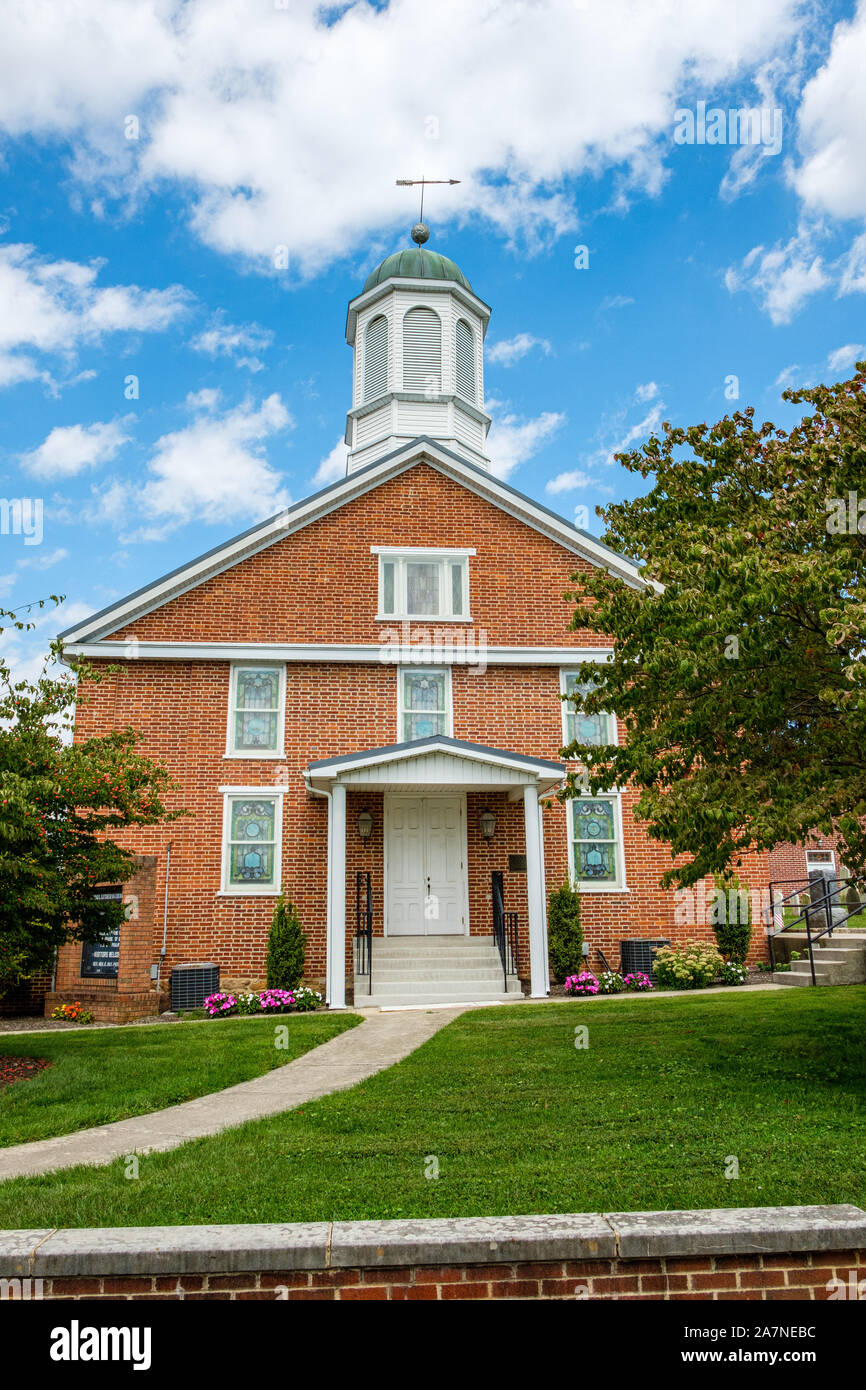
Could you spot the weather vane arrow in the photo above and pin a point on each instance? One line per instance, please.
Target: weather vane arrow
(422, 231)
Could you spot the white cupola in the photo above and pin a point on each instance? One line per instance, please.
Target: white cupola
(417, 330)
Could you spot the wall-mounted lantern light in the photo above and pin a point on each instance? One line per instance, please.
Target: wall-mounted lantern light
(365, 824)
(488, 824)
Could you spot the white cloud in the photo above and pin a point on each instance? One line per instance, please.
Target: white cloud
(238, 341)
(782, 278)
(333, 466)
(213, 470)
(69, 449)
(852, 279)
(246, 116)
(513, 441)
(569, 482)
(510, 350)
(646, 392)
(845, 357)
(44, 562)
(832, 175)
(55, 307)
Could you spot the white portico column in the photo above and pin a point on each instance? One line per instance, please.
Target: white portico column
(539, 986)
(336, 962)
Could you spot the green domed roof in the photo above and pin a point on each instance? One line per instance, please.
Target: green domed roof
(416, 264)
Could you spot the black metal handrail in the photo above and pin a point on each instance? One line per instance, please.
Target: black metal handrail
(820, 907)
(364, 927)
(506, 930)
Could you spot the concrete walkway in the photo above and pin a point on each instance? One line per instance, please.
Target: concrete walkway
(377, 1043)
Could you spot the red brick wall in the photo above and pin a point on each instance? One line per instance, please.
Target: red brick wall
(132, 993)
(768, 1278)
(321, 586)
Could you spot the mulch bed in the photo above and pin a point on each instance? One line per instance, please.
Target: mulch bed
(20, 1068)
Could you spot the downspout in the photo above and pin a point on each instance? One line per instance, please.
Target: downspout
(164, 916)
(317, 791)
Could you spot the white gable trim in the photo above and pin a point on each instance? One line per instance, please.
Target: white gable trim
(321, 504)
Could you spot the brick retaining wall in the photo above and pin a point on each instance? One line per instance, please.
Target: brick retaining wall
(762, 1253)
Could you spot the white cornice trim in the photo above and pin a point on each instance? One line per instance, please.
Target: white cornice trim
(457, 653)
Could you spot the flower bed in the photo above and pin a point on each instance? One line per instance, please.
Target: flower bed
(696, 965)
(267, 1001)
(72, 1013)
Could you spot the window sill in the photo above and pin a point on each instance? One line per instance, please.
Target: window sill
(600, 888)
(268, 892)
(259, 757)
(424, 620)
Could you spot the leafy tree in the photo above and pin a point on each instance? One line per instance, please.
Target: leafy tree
(287, 947)
(59, 802)
(739, 666)
(564, 933)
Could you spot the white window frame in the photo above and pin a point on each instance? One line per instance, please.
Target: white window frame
(400, 556)
(586, 885)
(564, 673)
(256, 753)
(251, 890)
(449, 704)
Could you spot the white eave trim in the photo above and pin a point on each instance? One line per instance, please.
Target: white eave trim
(463, 650)
(321, 504)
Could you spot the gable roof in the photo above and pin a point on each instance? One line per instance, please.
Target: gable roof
(397, 761)
(329, 499)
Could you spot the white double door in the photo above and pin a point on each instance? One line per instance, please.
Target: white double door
(425, 866)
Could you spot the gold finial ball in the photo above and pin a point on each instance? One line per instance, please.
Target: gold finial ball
(420, 233)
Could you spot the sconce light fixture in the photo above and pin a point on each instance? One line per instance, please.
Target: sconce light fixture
(365, 824)
(488, 824)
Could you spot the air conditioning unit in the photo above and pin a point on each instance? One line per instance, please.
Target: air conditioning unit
(191, 984)
(637, 955)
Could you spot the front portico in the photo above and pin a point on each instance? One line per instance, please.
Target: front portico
(425, 789)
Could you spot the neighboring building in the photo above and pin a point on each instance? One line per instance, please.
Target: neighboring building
(370, 682)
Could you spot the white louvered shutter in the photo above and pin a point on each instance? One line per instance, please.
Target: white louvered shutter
(422, 352)
(465, 361)
(376, 358)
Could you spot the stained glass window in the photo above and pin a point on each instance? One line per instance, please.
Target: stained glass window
(422, 588)
(596, 850)
(256, 709)
(413, 586)
(591, 729)
(424, 704)
(252, 840)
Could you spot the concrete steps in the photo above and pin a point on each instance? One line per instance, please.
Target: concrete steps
(435, 970)
(839, 960)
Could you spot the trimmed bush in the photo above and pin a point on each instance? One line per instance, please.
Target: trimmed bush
(287, 947)
(564, 933)
(734, 932)
(693, 966)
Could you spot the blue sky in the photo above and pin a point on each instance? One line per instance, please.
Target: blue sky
(264, 126)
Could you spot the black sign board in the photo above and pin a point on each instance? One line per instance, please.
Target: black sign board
(99, 958)
(517, 863)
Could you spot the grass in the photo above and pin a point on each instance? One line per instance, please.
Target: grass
(115, 1073)
(519, 1120)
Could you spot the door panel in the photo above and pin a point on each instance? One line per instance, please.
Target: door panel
(426, 854)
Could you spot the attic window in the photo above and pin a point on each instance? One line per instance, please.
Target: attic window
(423, 583)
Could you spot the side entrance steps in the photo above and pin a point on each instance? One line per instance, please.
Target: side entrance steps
(435, 970)
(840, 959)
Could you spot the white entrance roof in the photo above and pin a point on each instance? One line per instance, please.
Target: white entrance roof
(436, 762)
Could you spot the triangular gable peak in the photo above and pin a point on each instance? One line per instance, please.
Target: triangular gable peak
(302, 514)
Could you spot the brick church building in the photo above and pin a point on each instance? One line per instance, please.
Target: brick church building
(369, 684)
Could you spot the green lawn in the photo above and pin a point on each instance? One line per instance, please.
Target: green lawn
(118, 1072)
(521, 1121)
